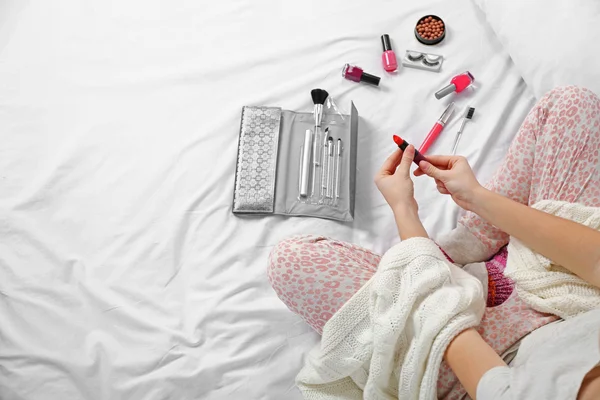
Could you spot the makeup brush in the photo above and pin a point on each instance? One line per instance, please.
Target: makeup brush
(467, 116)
(318, 97)
(330, 166)
(325, 154)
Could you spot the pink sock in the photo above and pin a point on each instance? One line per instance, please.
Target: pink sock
(499, 286)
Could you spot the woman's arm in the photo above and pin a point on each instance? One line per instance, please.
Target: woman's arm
(572, 245)
(470, 357)
(567, 243)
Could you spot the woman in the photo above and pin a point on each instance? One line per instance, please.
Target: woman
(555, 155)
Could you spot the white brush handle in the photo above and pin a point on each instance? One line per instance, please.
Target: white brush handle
(456, 140)
(324, 172)
(330, 167)
(338, 169)
(315, 164)
(305, 173)
(458, 136)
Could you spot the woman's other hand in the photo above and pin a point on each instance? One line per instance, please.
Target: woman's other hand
(394, 182)
(453, 175)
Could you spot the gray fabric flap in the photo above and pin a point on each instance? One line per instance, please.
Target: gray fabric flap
(257, 160)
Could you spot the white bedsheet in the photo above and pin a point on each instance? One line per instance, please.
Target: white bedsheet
(123, 273)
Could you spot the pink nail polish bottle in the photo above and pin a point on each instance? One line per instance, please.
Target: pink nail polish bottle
(388, 58)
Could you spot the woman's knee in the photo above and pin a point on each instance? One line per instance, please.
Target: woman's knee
(571, 96)
(285, 257)
(571, 114)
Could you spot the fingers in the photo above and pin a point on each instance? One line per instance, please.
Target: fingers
(407, 159)
(443, 190)
(442, 162)
(441, 187)
(391, 163)
(428, 169)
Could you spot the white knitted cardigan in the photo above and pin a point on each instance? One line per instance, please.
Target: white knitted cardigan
(548, 287)
(388, 340)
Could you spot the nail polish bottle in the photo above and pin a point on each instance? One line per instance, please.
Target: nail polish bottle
(388, 58)
(457, 84)
(356, 74)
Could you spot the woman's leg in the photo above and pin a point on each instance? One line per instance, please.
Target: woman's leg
(314, 276)
(555, 155)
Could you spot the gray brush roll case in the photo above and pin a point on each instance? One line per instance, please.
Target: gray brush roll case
(270, 149)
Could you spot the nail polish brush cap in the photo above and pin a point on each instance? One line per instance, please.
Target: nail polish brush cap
(371, 79)
(385, 41)
(445, 91)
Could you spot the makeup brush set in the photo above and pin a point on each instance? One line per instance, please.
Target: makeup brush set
(321, 155)
(297, 163)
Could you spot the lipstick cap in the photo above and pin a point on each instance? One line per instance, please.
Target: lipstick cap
(385, 42)
(447, 113)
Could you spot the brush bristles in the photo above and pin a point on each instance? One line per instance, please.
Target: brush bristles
(470, 113)
(319, 96)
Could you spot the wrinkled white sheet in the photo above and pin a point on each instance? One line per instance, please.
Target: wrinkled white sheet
(123, 273)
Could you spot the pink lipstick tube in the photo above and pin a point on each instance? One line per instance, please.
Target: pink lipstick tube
(388, 58)
(356, 74)
(438, 127)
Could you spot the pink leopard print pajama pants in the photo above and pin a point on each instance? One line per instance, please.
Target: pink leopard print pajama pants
(555, 155)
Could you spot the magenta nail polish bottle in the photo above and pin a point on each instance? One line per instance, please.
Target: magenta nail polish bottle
(356, 74)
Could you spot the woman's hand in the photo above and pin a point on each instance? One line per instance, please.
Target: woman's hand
(453, 175)
(394, 182)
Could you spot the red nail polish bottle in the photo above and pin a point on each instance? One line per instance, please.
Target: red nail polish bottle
(388, 58)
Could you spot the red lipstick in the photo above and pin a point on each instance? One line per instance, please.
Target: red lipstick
(457, 84)
(403, 144)
(388, 58)
(437, 129)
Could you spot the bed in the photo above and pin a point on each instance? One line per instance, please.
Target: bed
(123, 272)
